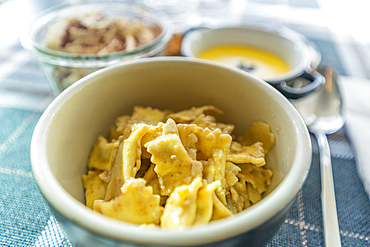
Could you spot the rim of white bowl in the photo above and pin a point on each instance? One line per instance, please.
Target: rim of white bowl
(252, 217)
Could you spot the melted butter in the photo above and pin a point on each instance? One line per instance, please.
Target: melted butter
(258, 62)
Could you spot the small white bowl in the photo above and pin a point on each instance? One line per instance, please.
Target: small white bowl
(67, 130)
(290, 46)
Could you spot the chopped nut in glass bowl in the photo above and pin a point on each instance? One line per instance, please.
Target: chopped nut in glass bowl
(73, 40)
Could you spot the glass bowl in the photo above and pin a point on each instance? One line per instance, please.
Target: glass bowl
(64, 68)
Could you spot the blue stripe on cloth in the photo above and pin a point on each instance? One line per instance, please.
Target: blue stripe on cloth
(303, 226)
(340, 147)
(304, 4)
(52, 235)
(329, 53)
(23, 211)
(10, 120)
(23, 84)
(25, 218)
(25, 100)
(16, 133)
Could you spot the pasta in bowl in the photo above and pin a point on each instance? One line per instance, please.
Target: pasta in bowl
(178, 169)
(67, 134)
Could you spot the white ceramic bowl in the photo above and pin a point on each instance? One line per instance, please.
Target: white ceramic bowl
(290, 46)
(67, 130)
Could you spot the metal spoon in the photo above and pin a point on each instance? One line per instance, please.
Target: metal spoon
(322, 113)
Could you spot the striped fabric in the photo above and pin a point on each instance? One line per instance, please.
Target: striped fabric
(25, 219)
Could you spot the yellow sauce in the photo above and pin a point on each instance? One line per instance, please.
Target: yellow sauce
(258, 62)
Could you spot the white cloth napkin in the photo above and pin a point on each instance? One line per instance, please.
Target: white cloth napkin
(356, 96)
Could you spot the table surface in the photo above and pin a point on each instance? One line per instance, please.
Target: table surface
(25, 219)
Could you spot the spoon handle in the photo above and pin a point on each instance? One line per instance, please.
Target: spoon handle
(329, 208)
